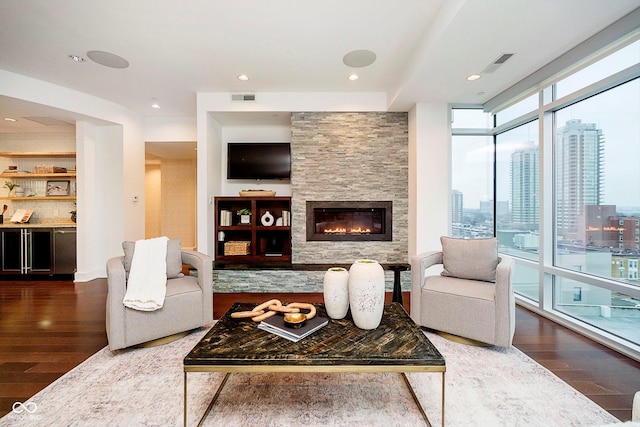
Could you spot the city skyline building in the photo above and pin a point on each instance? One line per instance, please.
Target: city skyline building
(579, 173)
(525, 187)
(457, 206)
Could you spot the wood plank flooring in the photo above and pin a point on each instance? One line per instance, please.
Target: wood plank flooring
(49, 327)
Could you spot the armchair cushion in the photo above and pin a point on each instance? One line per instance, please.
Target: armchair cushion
(174, 257)
(474, 259)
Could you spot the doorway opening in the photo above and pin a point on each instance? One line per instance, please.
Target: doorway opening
(170, 191)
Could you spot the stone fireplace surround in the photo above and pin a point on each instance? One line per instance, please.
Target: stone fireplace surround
(344, 157)
(337, 157)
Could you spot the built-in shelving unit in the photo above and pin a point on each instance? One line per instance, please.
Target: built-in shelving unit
(36, 249)
(29, 158)
(253, 242)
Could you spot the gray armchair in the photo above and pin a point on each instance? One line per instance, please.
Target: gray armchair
(188, 304)
(480, 310)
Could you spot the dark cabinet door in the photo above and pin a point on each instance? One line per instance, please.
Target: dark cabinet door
(64, 241)
(11, 247)
(41, 250)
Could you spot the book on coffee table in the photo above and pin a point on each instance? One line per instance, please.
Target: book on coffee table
(275, 325)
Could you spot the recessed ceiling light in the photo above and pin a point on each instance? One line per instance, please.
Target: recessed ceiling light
(154, 104)
(359, 58)
(107, 59)
(10, 119)
(353, 77)
(243, 77)
(473, 77)
(76, 58)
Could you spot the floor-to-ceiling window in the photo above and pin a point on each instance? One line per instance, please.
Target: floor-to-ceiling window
(564, 163)
(472, 192)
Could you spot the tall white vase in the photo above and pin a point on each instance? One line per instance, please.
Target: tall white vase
(336, 292)
(366, 293)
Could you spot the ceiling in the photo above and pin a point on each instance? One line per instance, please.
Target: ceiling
(424, 49)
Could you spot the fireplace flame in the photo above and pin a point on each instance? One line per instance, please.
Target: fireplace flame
(358, 230)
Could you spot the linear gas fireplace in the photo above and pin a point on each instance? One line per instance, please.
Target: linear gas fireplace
(350, 221)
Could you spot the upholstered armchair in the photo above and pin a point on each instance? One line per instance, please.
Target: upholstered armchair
(188, 302)
(471, 298)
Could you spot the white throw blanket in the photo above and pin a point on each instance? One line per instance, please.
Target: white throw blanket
(147, 284)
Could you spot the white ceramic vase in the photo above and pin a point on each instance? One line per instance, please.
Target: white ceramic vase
(366, 293)
(336, 292)
(267, 219)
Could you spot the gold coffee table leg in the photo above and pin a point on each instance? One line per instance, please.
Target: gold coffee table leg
(443, 399)
(418, 404)
(214, 399)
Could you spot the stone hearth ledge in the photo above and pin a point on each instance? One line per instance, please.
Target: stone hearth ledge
(230, 278)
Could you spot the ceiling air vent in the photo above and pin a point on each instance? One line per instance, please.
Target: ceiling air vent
(243, 97)
(498, 62)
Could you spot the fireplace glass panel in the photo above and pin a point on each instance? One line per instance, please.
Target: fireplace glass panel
(349, 221)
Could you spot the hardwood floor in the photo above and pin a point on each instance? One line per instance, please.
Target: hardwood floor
(49, 327)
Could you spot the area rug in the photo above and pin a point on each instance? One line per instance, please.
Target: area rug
(144, 387)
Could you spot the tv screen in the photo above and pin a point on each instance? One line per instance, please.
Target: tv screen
(258, 160)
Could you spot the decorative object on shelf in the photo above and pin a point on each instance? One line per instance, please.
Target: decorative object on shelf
(47, 169)
(221, 242)
(58, 188)
(73, 213)
(267, 219)
(336, 292)
(234, 247)
(4, 209)
(366, 293)
(257, 193)
(11, 186)
(245, 216)
(279, 222)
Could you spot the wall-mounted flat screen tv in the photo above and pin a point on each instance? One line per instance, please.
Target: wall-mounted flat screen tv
(258, 160)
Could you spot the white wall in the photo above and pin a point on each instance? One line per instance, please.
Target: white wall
(170, 129)
(429, 176)
(101, 210)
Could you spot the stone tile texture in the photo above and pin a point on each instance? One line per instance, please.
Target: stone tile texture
(344, 157)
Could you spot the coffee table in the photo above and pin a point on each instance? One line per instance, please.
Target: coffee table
(237, 345)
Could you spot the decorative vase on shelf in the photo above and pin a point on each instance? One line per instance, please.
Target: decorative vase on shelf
(336, 292)
(366, 293)
(267, 219)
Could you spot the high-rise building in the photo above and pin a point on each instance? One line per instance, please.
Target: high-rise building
(457, 205)
(579, 172)
(525, 187)
(486, 207)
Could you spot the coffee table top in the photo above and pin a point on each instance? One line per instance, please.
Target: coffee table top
(398, 344)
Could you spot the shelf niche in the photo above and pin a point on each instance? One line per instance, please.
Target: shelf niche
(266, 243)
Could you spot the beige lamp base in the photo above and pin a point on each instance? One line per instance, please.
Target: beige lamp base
(462, 340)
